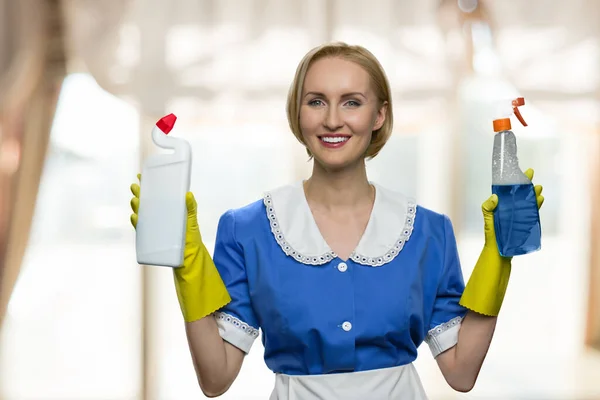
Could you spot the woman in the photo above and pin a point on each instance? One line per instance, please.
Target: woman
(344, 278)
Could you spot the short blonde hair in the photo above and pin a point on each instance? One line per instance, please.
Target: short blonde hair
(369, 63)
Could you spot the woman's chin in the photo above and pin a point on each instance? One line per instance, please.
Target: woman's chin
(337, 161)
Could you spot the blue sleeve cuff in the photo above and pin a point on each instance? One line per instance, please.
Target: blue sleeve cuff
(235, 331)
(443, 336)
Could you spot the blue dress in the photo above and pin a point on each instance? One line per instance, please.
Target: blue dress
(322, 315)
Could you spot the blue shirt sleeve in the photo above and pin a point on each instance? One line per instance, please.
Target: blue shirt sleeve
(237, 321)
(447, 312)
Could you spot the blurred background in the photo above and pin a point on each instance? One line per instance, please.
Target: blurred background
(83, 81)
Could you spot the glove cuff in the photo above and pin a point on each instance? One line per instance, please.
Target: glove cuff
(200, 289)
(487, 285)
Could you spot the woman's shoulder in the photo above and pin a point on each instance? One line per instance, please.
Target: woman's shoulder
(261, 208)
(399, 201)
(432, 216)
(247, 214)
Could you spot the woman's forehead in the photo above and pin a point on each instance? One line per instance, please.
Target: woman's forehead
(335, 75)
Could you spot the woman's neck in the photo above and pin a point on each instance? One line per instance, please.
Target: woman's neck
(346, 188)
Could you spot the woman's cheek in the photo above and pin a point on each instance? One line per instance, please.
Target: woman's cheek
(360, 122)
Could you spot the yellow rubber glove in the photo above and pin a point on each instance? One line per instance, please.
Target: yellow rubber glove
(199, 286)
(485, 290)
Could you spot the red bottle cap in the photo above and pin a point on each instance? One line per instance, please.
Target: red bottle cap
(166, 123)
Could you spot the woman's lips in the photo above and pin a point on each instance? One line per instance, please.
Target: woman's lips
(334, 141)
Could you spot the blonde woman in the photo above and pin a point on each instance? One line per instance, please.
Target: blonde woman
(344, 278)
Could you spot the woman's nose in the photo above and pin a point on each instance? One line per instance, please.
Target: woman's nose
(333, 120)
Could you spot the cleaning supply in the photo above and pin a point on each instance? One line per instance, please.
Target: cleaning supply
(516, 218)
(161, 224)
(487, 285)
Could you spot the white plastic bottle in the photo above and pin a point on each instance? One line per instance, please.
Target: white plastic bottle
(516, 218)
(162, 214)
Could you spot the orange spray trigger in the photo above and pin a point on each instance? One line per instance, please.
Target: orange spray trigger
(519, 101)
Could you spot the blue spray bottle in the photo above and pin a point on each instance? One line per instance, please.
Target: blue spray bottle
(516, 218)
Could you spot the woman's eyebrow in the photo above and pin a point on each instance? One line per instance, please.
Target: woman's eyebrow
(350, 94)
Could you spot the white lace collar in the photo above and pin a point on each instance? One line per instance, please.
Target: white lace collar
(292, 223)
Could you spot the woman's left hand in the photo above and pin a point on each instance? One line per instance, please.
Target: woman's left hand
(490, 205)
(486, 288)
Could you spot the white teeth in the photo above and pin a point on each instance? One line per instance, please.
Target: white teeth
(337, 139)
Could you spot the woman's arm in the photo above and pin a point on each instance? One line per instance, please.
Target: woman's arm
(200, 291)
(218, 345)
(483, 297)
(461, 364)
(217, 362)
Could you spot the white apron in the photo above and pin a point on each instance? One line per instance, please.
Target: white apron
(397, 383)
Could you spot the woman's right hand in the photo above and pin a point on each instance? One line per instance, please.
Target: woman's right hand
(200, 289)
(192, 232)
(135, 201)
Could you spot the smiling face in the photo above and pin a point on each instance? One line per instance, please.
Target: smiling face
(339, 111)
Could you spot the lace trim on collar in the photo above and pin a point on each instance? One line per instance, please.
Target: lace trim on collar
(330, 255)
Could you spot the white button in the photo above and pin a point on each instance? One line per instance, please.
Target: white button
(342, 267)
(346, 326)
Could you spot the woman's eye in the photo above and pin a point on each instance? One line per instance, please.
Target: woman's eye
(315, 102)
(353, 103)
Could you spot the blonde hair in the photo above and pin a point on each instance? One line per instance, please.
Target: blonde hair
(379, 82)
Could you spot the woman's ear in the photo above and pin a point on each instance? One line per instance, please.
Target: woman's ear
(380, 118)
